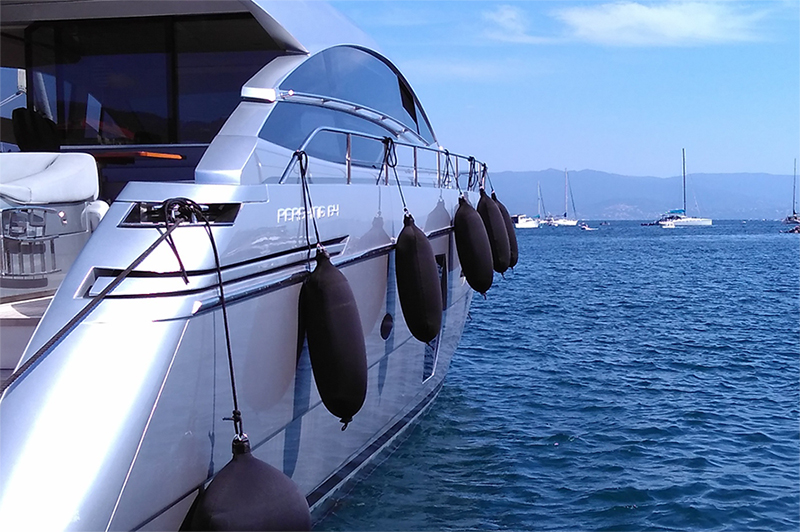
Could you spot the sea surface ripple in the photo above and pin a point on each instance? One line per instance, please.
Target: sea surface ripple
(631, 378)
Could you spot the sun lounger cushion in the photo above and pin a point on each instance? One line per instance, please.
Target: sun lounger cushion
(40, 178)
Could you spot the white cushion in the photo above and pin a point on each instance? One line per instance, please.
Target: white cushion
(39, 178)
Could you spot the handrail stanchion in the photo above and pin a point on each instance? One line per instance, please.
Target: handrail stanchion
(347, 158)
(439, 169)
(456, 169)
(416, 170)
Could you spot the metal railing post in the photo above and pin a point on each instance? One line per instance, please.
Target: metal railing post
(347, 158)
(416, 170)
(438, 169)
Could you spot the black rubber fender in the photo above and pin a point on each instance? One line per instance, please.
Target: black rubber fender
(418, 282)
(249, 494)
(496, 230)
(472, 246)
(335, 339)
(510, 230)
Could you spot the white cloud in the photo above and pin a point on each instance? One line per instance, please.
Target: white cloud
(662, 24)
(508, 23)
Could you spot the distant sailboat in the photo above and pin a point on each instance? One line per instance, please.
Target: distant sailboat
(794, 218)
(564, 220)
(678, 217)
(523, 221)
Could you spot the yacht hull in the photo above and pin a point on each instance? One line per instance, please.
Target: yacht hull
(137, 392)
(689, 221)
(291, 136)
(522, 221)
(558, 222)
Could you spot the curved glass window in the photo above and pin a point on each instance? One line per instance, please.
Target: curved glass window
(355, 75)
(290, 124)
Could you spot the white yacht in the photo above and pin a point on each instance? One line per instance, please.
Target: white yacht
(523, 221)
(170, 150)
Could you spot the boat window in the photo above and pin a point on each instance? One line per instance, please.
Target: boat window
(153, 80)
(357, 76)
(290, 124)
(215, 58)
(424, 127)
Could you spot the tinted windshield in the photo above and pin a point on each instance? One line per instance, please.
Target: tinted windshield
(144, 81)
(355, 75)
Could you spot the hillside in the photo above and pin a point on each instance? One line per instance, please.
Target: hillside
(603, 196)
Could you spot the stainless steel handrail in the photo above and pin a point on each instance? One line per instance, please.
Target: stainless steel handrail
(368, 113)
(441, 181)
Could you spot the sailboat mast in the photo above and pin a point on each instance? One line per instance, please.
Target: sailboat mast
(794, 187)
(540, 203)
(565, 192)
(683, 153)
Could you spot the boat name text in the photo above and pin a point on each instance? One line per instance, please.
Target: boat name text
(292, 214)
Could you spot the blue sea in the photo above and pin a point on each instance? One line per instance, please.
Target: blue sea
(629, 378)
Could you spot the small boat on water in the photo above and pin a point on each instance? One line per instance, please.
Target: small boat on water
(247, 239)
(585, 227)
(523, 221)
(678, 217)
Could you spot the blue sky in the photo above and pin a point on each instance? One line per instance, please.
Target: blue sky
(613, 86)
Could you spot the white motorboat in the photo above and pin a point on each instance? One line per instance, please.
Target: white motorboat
(175, 148)
(523, 221)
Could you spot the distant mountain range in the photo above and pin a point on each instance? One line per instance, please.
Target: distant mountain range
(603, 196)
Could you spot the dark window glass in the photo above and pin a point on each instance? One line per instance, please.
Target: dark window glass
(357, 76)
(145, 81)
(111, 80)
(215, 58)
(424, 128)
(290, 124)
